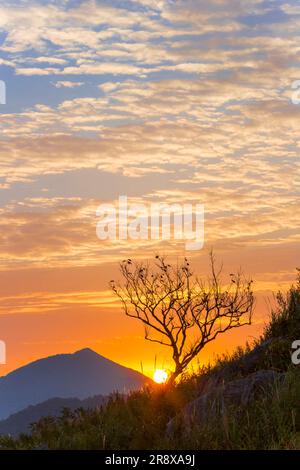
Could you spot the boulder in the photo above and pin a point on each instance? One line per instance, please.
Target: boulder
(216, 401)
(259, 358)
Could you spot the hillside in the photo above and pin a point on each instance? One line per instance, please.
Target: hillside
(21, 422)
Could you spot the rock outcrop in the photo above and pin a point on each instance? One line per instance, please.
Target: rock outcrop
(217, 399)
(261, 357)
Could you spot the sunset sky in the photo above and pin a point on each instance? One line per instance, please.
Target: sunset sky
(160, 100)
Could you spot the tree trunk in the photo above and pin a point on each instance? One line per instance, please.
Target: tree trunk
(173, 377)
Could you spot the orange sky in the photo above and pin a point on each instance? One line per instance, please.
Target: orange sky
(50, 311)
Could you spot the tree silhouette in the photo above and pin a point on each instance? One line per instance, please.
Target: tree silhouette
(180, 311)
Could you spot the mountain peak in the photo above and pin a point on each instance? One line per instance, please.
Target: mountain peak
(81, 374)
(85, 352)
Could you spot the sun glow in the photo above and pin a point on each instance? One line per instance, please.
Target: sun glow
(160, 376)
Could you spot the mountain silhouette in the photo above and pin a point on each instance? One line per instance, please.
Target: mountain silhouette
(21, 421)
(79, 375)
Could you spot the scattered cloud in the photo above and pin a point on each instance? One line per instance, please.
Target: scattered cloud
(67, 84)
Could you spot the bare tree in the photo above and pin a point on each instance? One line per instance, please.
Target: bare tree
(180, 311)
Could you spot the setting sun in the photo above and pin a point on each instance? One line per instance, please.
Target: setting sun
(160, 376)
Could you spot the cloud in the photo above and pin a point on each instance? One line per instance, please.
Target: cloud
(191, 91)
(96, 38)
(67, 84)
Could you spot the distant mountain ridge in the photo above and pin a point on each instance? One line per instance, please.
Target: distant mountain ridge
(79, 375)
(21, 422)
